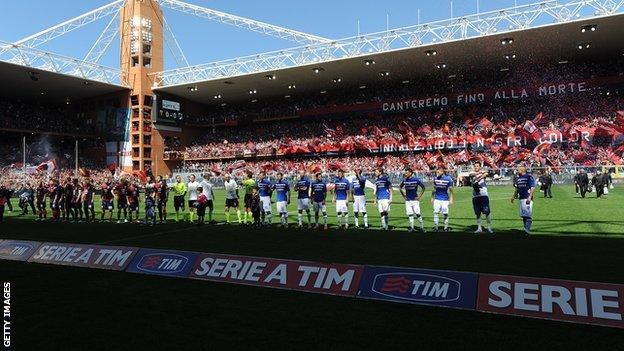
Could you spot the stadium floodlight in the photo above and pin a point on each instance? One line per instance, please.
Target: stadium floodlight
(254, 100)
(323, 91)
(369, 62)
(318, 70)
(440, 65)
(362, 86)
(589, 28)
(286, 96)
(337, 80)
(192, 88)
(384, 74)
(582, 46)
(563, 62)
(507, 41)
(510, 56)
(253, 91)
(405, 82)
(218, 96)
(292, 86)
(431, 53)
(271, 76)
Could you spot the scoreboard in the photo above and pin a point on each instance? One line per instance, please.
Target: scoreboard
(168, 111)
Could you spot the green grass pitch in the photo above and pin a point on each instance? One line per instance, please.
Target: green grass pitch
(78, 309)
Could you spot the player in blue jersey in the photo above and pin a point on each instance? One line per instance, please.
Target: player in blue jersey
(265, 189)
(409, 189)
(358, 194)
(303, 198)
(441, 198)
(480, 197)
(282, 198)
(525, 186)
(341, 197)
(383, 196)
(318, 193)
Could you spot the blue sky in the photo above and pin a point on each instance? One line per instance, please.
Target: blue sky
(204, 41)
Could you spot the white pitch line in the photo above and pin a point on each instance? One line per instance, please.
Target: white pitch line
(145, 235)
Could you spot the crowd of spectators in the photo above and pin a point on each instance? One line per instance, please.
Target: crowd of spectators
(38, 117)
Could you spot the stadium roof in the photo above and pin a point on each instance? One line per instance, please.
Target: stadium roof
(27, 83)
(550, 43)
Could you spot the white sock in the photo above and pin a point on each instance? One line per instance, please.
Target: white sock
(346, 218)
(479, 227)
(411, 222)
(422, 223)
(325, 218)
(446, 221)
(300, 218)
(339, 219)
(365, 219)
(356, 219)
(488, 220)
(436, 219)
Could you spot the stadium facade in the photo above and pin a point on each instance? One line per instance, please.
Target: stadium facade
(151, 106)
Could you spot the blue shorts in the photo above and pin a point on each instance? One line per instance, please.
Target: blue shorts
(481, 205)
(107, 205)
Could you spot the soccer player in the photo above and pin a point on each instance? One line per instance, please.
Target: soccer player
(303, 198)
(341, 195)
(41, 194)
(162, 193)
(67, 208)
(525, 186)
(480, 198)
(201, 203)
(282, 198)
(207, 190)
(88, 195)
(582, 182)
(318, 193)
(409, 189)
(107, 200)
(231, 198)
(441, 198)
(121, 192)
(77, 200)
(150, 204)
(56, 199)
(133, 201)
(383, 196)
(358, 194)
(265, 188)
(179, 192)
(192, 186)
(248, 183)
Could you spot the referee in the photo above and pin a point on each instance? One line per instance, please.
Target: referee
(179, 191)
(249, 184)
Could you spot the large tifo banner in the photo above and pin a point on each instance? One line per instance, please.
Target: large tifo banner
(420, 286)
(92, 256)
(563, 300)
(334, 279)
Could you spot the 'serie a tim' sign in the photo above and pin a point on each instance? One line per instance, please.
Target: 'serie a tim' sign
(564, 300)
(163, 262)
(16, 250)
(418, 286)
(103, 257)
(336, 279)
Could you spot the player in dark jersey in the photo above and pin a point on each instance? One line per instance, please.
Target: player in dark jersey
(41, 194)
(107, 200)
(57, 199)
(162, 195)
(67, 209)
(121, 193)
(77, 200)
(88, 195)
(132, 196)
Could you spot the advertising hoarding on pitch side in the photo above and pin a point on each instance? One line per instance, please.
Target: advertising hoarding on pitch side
(562, 300)
(420, 286)
(163, 262)
(114, 258)
(326, 278)
(17, 250)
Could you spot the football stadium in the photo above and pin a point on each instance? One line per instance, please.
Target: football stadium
(454, 183)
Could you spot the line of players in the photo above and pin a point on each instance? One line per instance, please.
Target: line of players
(74, 200)
(312, 197)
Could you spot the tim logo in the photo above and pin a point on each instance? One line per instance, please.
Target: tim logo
(14, 250)
(416, 287)
(162, 263)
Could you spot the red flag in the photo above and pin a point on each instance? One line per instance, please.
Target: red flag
(533, 130)
(539, 149)
(538, 118)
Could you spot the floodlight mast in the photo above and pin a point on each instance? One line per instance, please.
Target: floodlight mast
(245, 23)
